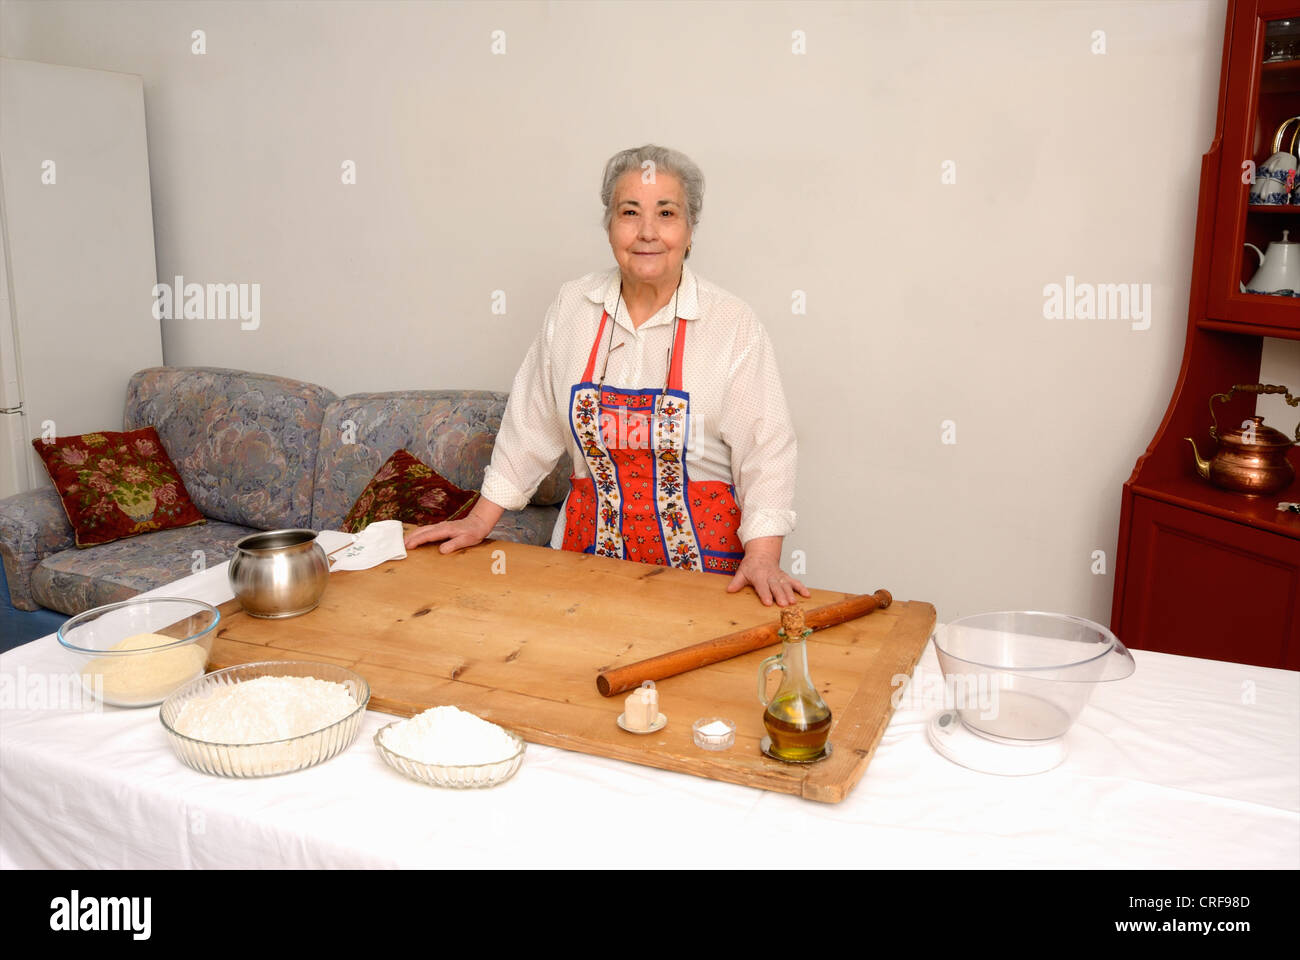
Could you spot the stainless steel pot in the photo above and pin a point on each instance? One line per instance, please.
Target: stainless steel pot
(279, 573)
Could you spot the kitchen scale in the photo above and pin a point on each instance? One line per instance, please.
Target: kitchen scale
(1015, 682)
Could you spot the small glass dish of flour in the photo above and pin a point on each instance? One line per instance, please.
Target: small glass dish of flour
(447, 747)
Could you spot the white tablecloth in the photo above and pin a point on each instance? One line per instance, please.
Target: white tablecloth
(1188, 763)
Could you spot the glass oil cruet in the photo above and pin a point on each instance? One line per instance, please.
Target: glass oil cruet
(797, 719)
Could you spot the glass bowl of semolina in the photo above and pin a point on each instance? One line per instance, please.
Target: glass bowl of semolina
(136, 652)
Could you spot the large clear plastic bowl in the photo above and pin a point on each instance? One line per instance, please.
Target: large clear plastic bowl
(140, 678)
(1024, 675)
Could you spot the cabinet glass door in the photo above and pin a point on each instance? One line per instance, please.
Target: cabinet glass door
(1255, 278)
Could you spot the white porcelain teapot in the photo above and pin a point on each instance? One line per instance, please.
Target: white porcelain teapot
(1279, 269)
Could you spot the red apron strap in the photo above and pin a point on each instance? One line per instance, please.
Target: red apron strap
(595, 349)
(675, 373)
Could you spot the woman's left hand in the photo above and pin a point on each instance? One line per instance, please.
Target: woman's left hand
(761, 569)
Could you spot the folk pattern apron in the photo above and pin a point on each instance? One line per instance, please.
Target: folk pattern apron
(639, 504)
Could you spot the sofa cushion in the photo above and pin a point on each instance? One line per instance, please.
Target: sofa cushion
(408, 490)
(76, 580)
(245, 443)
(452, 431)
(530, 525)
(115, 485)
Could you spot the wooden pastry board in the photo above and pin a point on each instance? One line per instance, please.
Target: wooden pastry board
(517, 633)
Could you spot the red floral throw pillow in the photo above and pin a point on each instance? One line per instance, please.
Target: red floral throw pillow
(407, 490)
(116, 485)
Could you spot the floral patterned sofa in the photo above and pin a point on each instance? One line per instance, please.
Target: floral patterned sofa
(257, 452)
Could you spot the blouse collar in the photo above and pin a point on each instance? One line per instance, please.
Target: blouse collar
(604, 289)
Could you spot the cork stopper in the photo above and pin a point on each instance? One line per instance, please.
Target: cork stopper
(792, 620)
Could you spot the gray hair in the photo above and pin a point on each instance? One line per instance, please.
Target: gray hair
(665, 160)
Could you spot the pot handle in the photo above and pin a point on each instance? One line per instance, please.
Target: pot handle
(1259, 253)
(1281, 132)
(1255, 388)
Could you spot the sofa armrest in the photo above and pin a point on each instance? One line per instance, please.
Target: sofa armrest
(32, 526)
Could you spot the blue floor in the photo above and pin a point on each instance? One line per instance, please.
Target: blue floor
(19, 626)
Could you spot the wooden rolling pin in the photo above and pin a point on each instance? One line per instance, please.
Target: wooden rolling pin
(670, 664)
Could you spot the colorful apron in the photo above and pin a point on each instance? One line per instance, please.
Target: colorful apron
(638, 503)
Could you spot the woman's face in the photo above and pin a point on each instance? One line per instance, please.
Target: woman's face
(648, 231)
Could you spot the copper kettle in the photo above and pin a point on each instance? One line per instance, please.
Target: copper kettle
(1251, 459)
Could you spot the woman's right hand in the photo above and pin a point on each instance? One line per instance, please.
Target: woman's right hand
(458, 534)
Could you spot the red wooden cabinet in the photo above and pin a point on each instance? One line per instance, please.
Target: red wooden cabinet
(1201, 571)
(1211, 588)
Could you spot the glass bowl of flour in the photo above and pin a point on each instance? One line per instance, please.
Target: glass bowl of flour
(136, 652)
(264, 719)
(447, 747)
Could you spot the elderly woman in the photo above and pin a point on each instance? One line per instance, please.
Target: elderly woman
(664, 389)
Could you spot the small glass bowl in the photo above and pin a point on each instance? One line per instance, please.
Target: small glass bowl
(705, 741)
(145, 677)
(462, 777)
(274, 757)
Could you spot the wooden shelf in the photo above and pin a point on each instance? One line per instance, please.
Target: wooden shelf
(1276, 209)
(1251, 329)
(1260, 513)
(1270, 317)
(1282, 76)
(1274, 298)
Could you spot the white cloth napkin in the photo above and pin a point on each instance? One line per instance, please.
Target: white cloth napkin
(377, 543)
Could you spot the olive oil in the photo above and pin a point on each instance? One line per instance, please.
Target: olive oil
(796, 718)
(798, 727)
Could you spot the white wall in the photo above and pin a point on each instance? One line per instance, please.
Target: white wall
(925, 301)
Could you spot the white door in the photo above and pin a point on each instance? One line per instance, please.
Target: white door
(14, 461)
(78, 235)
